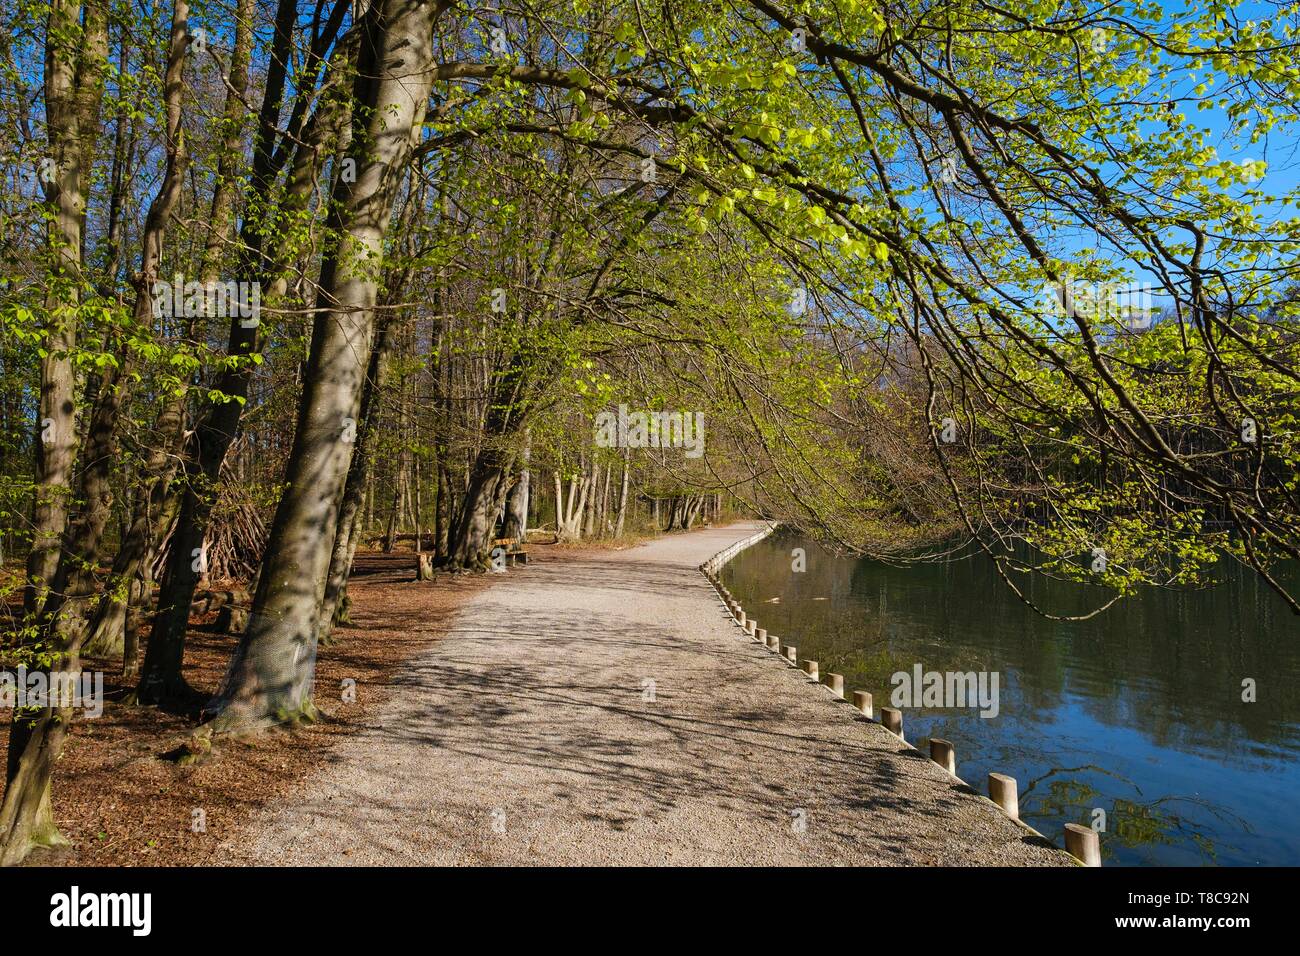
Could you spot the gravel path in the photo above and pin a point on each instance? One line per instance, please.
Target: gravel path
(526, 736)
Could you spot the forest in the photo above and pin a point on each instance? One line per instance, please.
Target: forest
(282, 282)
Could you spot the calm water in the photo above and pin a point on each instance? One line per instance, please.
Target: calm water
(1137, 712)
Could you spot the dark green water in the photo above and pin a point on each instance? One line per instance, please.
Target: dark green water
(1137, 712)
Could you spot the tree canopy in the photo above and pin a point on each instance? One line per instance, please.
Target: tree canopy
(277, 275)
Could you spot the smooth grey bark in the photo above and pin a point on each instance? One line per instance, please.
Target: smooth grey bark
(221, 216)
(569, 514)
(484, 497)
(334, 605)
(589, 517)
(37, 735)
(75, 63)
(622, 497)
(274, 666)
(559, 505)
(207, 445)
(693, 512)
(518, 499)
(155, 502)
(444, 510)
(394, 511)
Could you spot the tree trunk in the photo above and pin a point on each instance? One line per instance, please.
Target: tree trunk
(603, 522)
(160, 677)
(417, 503)
(221, 212)
(335, 604)
(559, 505)
(622, 498)
(156, 502)
(517, 503)
(26, 818)
(367, 516)
(274, 666)
(575, 509)
(141, 595)
(696, 502)
(674, 512)
(442, 517)
(589, 516)
(153, 513)
(75, 63)
(394, 513)
(37, 735)
(471, 539)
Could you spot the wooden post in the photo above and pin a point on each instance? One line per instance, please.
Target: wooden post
(792, 654)
(1003, 792)
(942, 753)
(810, 668)
(750, 624)
(1083, 844)
(774, 643)
(761, 634)
(892, 720)
(862, 701)
(836, 683)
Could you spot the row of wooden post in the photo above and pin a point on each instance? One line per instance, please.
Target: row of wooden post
(1080, 841)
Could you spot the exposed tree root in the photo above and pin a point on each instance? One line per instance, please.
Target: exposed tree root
(243, 720)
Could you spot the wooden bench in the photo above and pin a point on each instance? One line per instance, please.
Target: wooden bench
(515, 552)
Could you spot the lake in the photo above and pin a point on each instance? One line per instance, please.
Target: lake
(1137, 713)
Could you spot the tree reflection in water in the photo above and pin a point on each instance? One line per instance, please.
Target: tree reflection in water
(1144, 702)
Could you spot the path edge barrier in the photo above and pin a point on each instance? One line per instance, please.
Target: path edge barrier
(711, 568)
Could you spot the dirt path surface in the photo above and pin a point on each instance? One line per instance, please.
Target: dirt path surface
(527, 736)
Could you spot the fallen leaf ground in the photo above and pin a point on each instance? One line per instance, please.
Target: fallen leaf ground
(123, 802)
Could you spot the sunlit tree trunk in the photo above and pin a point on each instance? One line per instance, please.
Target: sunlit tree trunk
(622, 497)
(207, 445)
(517, 502)
(274, 666)
(37, 734)
(335, 604)
(471, 538)
(76, 49)
(156, 500)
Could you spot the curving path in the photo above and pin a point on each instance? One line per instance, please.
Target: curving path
(525, 736)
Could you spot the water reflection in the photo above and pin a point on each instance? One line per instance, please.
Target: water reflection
(1136, 714)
